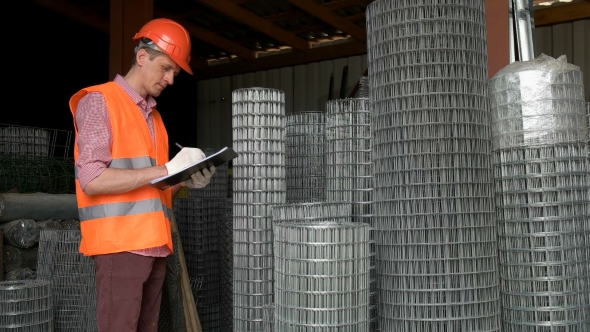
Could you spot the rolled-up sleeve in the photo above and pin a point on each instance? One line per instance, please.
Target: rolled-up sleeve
(94, 138)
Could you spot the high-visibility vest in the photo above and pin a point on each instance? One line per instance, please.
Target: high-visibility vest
(137, 219)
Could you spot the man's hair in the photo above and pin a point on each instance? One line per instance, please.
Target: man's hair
(149, 48)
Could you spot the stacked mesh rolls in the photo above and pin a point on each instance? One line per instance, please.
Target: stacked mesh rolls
(26, 306)
(198, 221)
(434, 221)
(306, 174)
(72, 278)
(258, 119)
(322, 276)
(542, 195)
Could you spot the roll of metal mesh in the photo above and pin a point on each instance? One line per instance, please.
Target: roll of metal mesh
(26, 306)
(542, 195)
(72, 278)
(258, 120)
(226, 265)
(304, 157)
(435, 228)
(322, 276)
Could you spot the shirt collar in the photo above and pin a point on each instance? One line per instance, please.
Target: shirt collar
(137, 99)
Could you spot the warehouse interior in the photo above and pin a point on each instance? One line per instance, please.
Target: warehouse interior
(411, 165)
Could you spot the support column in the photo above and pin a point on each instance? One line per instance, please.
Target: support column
(126, 17)
(497, 35)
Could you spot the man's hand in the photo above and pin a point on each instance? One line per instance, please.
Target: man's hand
(184, 158)
(200, 179)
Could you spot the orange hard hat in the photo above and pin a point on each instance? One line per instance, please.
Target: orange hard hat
(171, 38)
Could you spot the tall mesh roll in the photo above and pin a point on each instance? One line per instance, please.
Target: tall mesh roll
(26, 306)
(258, 120)
(72, 278)
(435, 228)
(304, 149)
(542, 195)
(198, 221)
(322, 276)
(226, 266)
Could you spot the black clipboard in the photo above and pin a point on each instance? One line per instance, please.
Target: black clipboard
(219, 158)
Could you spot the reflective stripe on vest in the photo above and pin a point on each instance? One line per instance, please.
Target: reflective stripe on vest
(121, 209)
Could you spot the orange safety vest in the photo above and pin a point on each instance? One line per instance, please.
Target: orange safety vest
(137, 219)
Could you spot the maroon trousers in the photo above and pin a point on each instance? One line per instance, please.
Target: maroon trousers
(129, 292)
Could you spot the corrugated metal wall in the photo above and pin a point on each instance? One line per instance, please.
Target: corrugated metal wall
(306, 88)
(571, 39)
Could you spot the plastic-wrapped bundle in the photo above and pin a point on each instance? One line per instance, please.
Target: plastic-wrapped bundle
(18, 258)
(72, 277)
(304, 157)
(20, 274)
(542, 195)
(50, 224)
(26, 306)
(70, 224)
(21, 233)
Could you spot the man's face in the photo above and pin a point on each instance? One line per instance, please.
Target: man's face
(158, 73)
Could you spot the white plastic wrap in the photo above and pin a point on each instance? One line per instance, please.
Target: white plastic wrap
(538, 102)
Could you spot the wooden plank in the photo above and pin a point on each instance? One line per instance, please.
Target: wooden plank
(335, 20)
(209, 37)
(562, 13)
(497, 35)
(247, 17)
(299, 89)
(340, 50)
(225, 124)
(203, 113)
(286, 86)
(312, 86)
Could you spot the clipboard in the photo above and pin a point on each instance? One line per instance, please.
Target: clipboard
(219, 158)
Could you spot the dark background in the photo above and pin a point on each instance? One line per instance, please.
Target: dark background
(49, 58)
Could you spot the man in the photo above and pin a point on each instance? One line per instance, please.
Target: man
(122, 145)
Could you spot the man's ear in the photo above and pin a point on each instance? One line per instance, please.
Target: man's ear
(141, 56)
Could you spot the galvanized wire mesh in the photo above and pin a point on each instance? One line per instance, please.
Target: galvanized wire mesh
(33, 142)
(258, 184)
(26, 306)
(269, 318)
(434, 220)
(349, 173)
(72, 278)
(322, 276)
(218, 185)
(198, 221)
(304, 157)
(542, 197)
(363, 87)
(226, 265)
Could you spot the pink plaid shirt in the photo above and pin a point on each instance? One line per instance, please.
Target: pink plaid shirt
(95, 140)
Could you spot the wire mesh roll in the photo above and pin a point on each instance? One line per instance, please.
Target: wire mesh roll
(26, 306)
(542, 195)
(226, 265)
(304, 149)
(322, 276)
(198, 221)
(258, 119)
(435, 230)
(72, 278)
(218, 185)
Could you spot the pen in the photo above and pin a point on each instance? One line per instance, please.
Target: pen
(180, 146)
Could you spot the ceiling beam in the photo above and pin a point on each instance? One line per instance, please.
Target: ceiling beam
(340, 50)
(247, 17)
(331, 6)
(209, 37)
(76, 13)
(331, 18)
(562, 13)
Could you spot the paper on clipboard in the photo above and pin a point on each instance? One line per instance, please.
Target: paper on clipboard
(219, 158)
